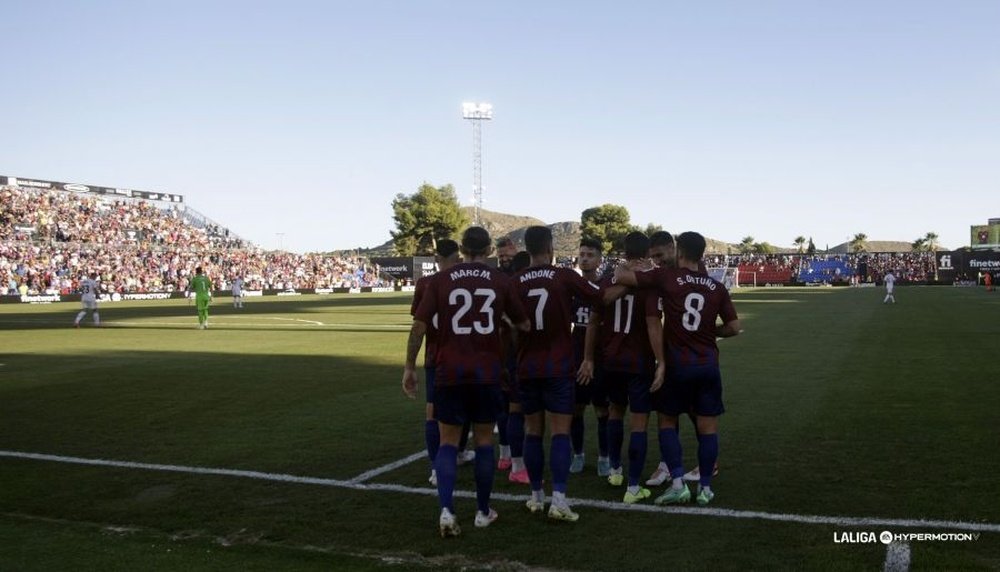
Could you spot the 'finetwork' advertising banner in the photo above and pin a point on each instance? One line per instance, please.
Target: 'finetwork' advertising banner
(89, 189)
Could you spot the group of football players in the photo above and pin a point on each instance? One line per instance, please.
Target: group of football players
(528, 345)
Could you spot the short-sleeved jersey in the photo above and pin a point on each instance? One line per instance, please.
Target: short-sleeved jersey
(201, 286)
(469, 300)
(89, 288)
(691, 302)
(581, 319)
(430, 338)
(624, 338)
(890, 280)
(238, 287)
(547, 293)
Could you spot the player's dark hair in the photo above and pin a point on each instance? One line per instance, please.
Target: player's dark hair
(661, 238)
(197, 270)
(446, 247)
(538, 240)
(520, 261)
(636, 245)
(476, 241)
(691, 245)
(504, 241)
(592, 243)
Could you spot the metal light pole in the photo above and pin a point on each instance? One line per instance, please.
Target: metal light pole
(477, 113)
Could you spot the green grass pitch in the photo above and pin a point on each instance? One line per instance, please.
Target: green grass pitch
(838, 406)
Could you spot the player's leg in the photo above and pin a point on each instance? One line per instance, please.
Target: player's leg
(80, 316)
(432, 435)
(618, 402)
(640, 403)
(558, 396)
(675, 401)
(534, 427)
(449, 407)
(489, 402)
(515, 430)
(502, 436)
(465, 454)
(582, 396)
(95, 314)
(708, 407)
(599, 399)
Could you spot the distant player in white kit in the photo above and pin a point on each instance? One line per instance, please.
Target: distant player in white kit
(238, 292)
(890, 281)
(89, 289)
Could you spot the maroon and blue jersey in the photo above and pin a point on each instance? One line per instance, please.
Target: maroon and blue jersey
(547, 293)
(581, 318)
(470, 300)
(430, 338)
(691, 302)
(624, 337)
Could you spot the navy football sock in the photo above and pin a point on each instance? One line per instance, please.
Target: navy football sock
(534, 460)
(708, 454)
(559, 462)
(502, 428)
(484, 477)
(602, 436)
(432, 436)
(446, 465)
(636, 456)
(576, 433)
(515, 434)
(670, 444)
(616, 434)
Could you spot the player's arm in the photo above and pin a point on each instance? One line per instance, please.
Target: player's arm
(586, 372)
(642, 277)
(654, 329)
(728, 329)
(515, 311)
(413, 343)
(730, 321)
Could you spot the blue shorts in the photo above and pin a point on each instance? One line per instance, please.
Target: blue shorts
(594, 393)
(461, 404)
(692, 389)
(552, 394)
(429, 373)
(630, 389)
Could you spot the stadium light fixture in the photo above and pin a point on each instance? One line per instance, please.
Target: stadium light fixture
(477, 112)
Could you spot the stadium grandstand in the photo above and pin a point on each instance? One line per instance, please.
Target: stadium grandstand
(138, 242)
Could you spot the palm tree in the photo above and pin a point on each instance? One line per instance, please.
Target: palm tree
(918, 245)
(800, 243)
(746, 245)
(858, 242)
(931, 242)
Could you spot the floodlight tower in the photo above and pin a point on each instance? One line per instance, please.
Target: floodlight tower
(477, 113)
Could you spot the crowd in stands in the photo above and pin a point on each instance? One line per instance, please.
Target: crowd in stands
(50, 239)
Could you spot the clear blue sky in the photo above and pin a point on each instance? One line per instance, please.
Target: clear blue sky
(770, 119)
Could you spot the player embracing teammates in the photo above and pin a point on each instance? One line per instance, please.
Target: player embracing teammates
(631, 339)
(692, 302)
(469, 300)
(89, 290)
(546, 369)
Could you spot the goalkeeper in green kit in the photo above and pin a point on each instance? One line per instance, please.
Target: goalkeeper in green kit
(202, 288)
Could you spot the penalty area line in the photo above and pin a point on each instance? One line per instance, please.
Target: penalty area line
(352, 484)
(368, 475)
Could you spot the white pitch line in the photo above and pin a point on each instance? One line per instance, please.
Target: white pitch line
(897, 557)
(852, 521)
(368, 475)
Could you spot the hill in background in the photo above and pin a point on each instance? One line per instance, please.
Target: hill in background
(566, 236)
